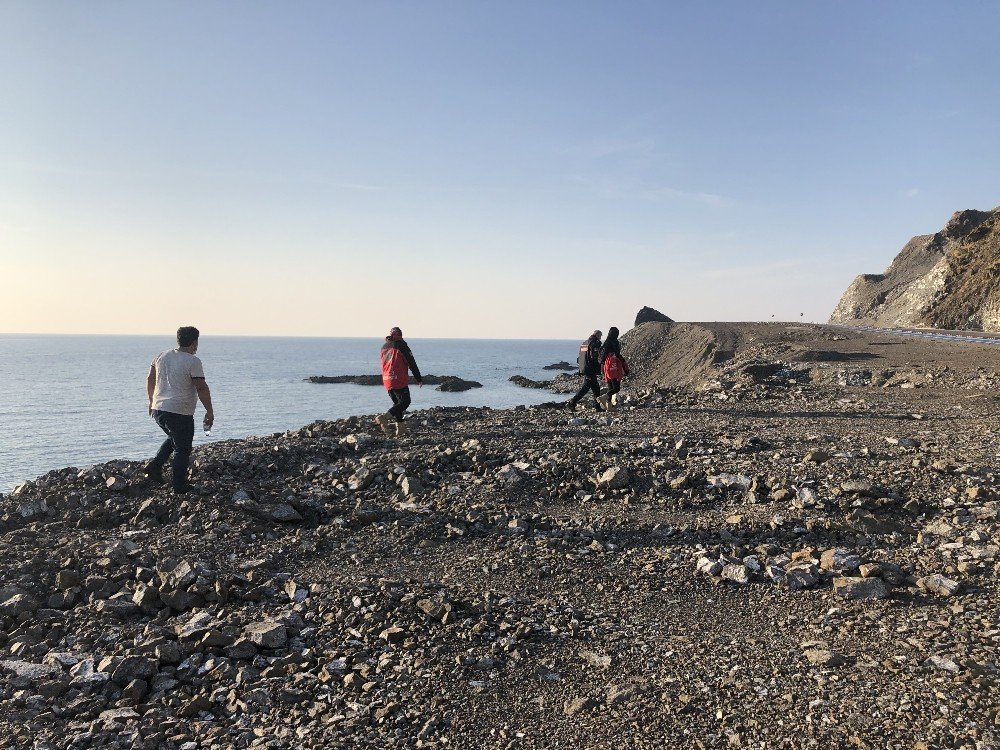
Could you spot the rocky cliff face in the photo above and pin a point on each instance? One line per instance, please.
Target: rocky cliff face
(946, 280)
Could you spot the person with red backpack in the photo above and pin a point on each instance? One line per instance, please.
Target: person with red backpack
(397, 360)
(614, 367)
(590, 367)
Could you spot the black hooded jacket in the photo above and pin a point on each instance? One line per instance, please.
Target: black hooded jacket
(589, 359)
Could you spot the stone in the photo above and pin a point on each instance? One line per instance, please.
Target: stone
(29, 671)
(864, 489)
(266, 634)
(839, 561)
(18, 604)
(806, 497)
(284, 513)
(802, 575)
(180, 600)
(939, 585)
(116, 484)
(134, 668)
(67, 579)
(122, 609)
(168, 652)
(411, 486)
(579, 705)
(146, 597)
(361, 480)
(816, 457)
(615, 478)
(736, 573)
(822, 657)
(859, 588)
(708, 566)
(622, 692)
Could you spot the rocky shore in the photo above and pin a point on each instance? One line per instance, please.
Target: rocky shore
(768, 558)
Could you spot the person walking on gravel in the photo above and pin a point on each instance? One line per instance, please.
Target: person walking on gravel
(175, 383)
(397, 362)
(613, 366)
(589, 363)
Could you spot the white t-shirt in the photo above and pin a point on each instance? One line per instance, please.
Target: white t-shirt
(175, 391)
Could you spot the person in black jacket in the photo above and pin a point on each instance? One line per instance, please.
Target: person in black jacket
(613, 367)
(589, 362)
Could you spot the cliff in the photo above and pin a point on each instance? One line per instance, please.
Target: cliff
(950, 280)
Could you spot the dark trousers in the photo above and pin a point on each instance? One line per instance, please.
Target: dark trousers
(589, 384)
(180, 436)
(400, 402)
(613, 387)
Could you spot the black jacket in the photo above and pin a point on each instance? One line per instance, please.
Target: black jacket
(589, 359)
(611, 347)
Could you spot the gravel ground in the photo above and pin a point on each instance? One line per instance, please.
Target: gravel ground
(776, 558)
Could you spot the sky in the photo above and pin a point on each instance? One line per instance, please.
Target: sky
(514, 169)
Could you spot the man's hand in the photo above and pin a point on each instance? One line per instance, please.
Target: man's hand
(209, 420)
(150, 408)
(420, 383)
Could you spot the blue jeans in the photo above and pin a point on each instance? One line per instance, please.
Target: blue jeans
(180, 436)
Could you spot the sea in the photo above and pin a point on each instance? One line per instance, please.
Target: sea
(81, 400)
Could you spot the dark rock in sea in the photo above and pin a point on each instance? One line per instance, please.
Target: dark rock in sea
(528, 382)
(649, 315)
(456, 385)
(447, 383)
(352, 379)
(560, 366)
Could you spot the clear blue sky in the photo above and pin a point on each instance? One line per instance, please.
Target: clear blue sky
(503, 169)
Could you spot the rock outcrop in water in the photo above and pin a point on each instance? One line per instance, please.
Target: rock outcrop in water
(946, 280)
(447, 383)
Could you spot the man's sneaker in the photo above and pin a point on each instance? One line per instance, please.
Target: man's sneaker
(153, 473)
(384, 423)
(184, 490)
(571, 406)
(400, 429)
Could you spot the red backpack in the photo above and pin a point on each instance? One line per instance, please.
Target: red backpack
(614, 367)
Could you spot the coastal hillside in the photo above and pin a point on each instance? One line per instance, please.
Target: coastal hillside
(949, 280)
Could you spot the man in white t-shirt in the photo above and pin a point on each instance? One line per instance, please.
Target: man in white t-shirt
(175, 383)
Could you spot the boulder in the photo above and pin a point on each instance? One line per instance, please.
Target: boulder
(859, 588)
(649, 315)
(266, 634)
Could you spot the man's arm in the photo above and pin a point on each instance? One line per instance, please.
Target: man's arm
(205, 396)
(151, 386)
(413, 365)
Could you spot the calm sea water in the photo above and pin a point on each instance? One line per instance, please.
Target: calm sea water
(81, 400)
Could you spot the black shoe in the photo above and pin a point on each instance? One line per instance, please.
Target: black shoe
(187, 488)
(571, 406)
(153, 473)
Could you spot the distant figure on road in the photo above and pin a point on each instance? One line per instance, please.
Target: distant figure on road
(614, 367)
(175, 383)
(397, 360)
(589, 363)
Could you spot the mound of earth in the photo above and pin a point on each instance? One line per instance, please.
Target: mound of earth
(694, 354)
(950, 280)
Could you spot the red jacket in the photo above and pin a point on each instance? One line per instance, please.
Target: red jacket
(397, 359)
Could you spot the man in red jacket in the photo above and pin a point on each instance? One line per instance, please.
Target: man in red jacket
(397, 360)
